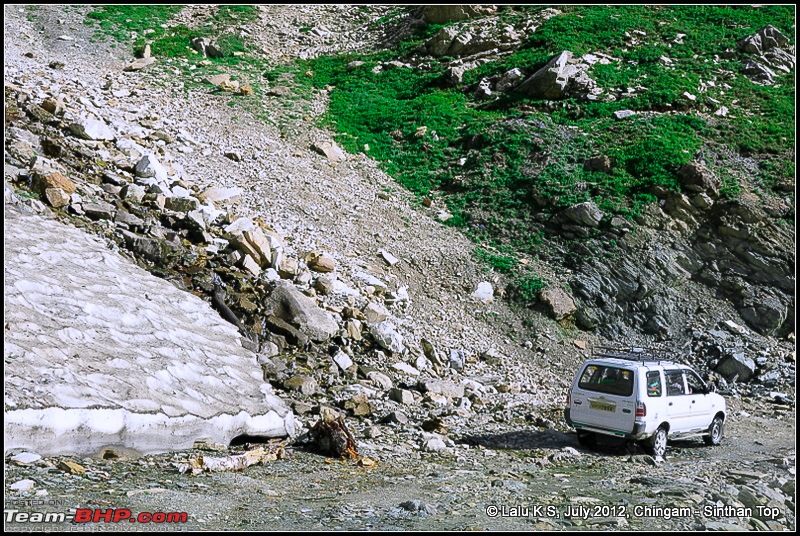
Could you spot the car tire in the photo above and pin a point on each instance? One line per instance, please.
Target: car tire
(715, 432)
(657, 444)
(587, 439)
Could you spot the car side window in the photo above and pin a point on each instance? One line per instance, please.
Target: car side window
(653, 383)
(695, 384)
(675, 385)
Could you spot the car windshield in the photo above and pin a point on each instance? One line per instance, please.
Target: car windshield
(607, 379)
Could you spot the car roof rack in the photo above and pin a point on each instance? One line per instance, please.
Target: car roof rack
(633, 353)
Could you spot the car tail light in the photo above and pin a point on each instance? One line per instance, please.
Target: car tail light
(569, 400)
(641, 409)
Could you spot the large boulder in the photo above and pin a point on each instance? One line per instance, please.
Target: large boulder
(586, 214)
(563, 76)
(768, 48)
(288, 303)
(112, 357)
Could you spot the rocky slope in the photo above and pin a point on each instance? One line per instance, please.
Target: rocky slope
(348, 295)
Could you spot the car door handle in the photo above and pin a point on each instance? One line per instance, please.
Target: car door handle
(578, 402)
(670, 403)
(693, 401)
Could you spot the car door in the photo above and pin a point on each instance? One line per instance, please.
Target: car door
(679, 403)
(603, 398)
(702, 409)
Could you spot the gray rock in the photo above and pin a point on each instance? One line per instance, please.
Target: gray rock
(324, 284)
(402, 396)
(737, 365)
(508, 80)
(765, 39)
(149, 166)
(697, 178)
(129, 220)
(99, 210)
(563, 76)
(586, 214)
(181, 204)
(457, 359)
(288, 303)
(375, 312)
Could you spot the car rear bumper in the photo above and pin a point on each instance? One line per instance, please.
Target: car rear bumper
(638, 433)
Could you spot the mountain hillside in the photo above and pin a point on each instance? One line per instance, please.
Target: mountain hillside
(413, 220)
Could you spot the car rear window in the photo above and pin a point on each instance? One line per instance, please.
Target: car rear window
(607, 379)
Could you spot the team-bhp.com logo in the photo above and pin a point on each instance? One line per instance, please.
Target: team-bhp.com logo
(95, 515)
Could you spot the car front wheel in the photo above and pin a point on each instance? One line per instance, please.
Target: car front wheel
(714, 436)
(657, 445)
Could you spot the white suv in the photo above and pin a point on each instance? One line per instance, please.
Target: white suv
(634, 394)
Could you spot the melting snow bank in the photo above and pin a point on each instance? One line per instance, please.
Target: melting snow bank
(100, 354)
(54, 431)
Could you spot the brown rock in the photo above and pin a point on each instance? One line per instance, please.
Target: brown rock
(287, 268)
(322, 263)
(72, 468)
(42, 182)
(598, 163)
(557, 302)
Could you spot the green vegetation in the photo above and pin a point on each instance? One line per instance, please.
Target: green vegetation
(127, 22)
(148, 24)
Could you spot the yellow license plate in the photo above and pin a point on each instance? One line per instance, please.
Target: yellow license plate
(601, 406)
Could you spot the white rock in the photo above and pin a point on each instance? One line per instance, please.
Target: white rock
(92, 129)
(375, 312)
(433, 443)
(23, 485)
(406, 368)
(342, 360)
(240, 225)
(370, 280)
(484, 292)
(390, 259)
(387, 337)
(26, 458)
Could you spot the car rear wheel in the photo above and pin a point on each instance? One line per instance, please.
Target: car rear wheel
(714, 436)
(657, 445)
(587, 439)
